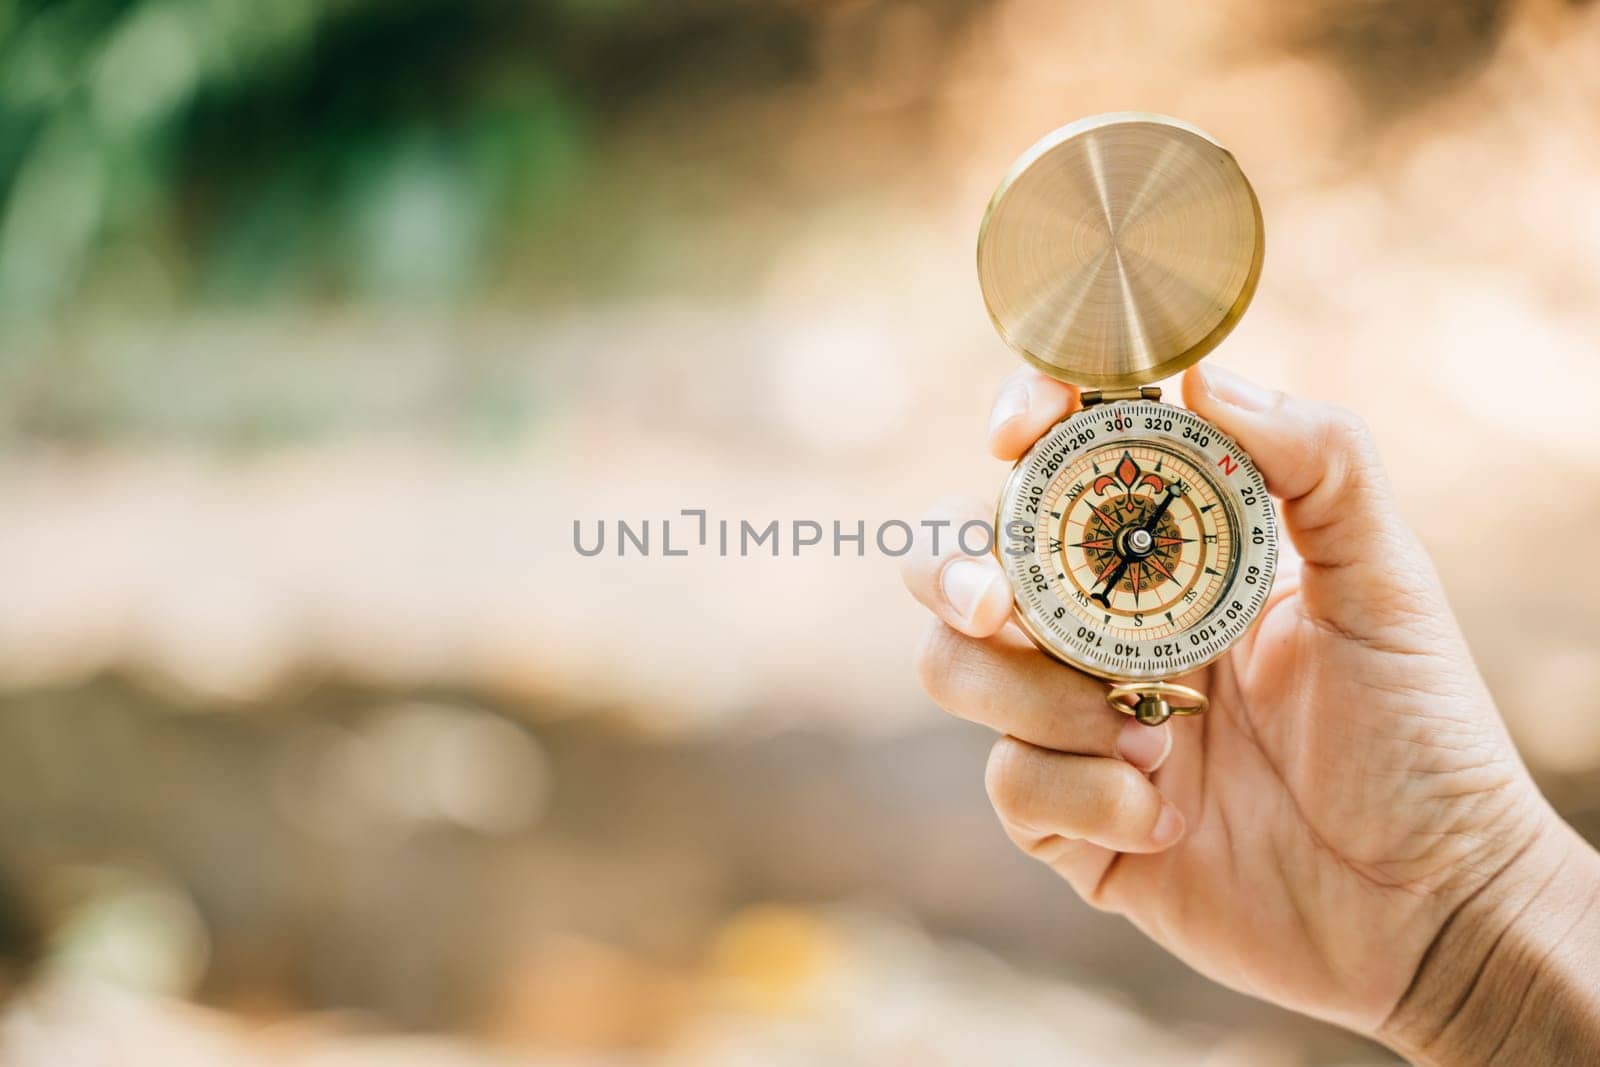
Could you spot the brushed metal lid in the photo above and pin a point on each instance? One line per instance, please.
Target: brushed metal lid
(1120, 249)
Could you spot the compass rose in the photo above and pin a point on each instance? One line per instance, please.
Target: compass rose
(1130, 476)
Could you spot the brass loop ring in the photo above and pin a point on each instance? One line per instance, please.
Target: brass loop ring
(1155, 702)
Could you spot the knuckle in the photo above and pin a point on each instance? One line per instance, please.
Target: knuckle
(1344, 432)
(1346, 452)
(1351, 430)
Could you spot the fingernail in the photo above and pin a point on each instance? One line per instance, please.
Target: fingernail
(1143, 746)
(1169, 826)
(964, 582)
(1012, 401)
(1234, 389)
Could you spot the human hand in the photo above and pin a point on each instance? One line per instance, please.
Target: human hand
(1348, 831)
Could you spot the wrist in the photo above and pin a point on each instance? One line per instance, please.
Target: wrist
(1513, 975)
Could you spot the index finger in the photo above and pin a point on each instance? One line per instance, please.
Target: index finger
(1029, 403)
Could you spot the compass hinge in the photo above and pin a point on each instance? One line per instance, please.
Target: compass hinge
(1091, 397)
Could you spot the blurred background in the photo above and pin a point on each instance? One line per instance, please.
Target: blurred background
(322, 320)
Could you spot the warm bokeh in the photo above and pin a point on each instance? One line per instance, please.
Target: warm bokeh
(320, 324)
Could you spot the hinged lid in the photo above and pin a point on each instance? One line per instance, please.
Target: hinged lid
(1120, 249)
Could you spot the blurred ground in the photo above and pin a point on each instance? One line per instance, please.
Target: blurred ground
(319, 331)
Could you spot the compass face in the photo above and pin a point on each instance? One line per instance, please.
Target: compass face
(1139, 540)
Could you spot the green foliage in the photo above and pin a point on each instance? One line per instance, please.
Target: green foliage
(303, 149)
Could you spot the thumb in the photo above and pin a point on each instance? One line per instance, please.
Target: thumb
(1322, 463)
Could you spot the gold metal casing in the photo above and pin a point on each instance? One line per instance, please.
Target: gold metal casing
(1120, 249)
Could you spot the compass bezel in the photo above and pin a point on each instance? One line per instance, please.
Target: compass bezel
(1117, 657)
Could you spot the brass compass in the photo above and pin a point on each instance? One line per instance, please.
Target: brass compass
(1139, 539)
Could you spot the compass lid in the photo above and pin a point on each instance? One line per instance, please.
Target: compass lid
(1120, 249)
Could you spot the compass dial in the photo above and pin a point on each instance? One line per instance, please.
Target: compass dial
(1139, 539)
